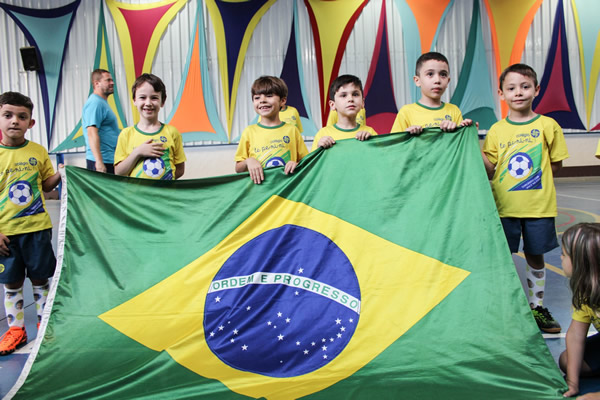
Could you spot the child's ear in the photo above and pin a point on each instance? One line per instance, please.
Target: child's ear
(417, 80)
(537, 91)
(500, 94)
(331, 104)
(31, 123)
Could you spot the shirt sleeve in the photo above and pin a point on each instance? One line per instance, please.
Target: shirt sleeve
(94, 115)
(46, 168)
(242, 152)
(582, 315)
(401, 121)
(369, 129)
(178, 152)
(317, 137)
(557, 145)
(298, 121)
(301, 150)
(490, 146)
(457, 115)
(121, 149)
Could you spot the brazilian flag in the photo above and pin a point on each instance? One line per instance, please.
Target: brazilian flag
(379, 269)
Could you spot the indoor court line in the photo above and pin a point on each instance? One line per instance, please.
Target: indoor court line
(577, 197)
(549, 266)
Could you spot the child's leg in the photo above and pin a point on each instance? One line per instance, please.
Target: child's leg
(536, 279)
(13, 304)
(16, 336)
(41, 263)
(40, 293)
(539, 237)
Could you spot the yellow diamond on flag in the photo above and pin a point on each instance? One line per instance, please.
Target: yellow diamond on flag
(289, 303)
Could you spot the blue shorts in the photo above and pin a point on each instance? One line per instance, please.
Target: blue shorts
(591, 356)
(31, 255)
(539, 234)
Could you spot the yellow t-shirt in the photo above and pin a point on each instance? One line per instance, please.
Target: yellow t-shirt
(587, 316)
(22, 203)
(339, 133)
(152, 168)
(427, 117)
(271, 146)
(289, 115)
(361, 118)
(598, 150)
(523, 184)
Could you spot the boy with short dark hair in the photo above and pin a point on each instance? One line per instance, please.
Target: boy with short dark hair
(523, 151)
(150, 149)
(346, 98)
(432, 75)
(271, 142)
(25, 226)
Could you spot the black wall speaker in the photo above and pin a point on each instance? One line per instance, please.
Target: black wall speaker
(30, 59)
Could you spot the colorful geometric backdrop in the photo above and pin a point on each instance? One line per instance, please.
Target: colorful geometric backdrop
(308, 43)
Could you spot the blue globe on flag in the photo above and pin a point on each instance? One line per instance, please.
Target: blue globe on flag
(520, 165)
(275, 162)
(20, 193)
(284, 304)
(154, 167)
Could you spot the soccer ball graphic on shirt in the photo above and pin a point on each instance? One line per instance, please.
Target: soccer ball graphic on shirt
(20, 193)
(154, 167)
(275, 162)
(520, 165)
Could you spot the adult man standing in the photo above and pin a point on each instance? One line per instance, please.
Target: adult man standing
(100, 126)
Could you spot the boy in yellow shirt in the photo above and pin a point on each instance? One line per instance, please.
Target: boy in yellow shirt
(25, 226)
(150, 149)
(346, 98)
(432, 75)
(524, 151)
(271, 142)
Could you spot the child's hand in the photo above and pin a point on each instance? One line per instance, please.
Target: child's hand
(326, 142)
(150, 149)
(468, 122)
(290, 166)
(415, 129)
(255, 169)
(573, 388)
(4, 241)
(362, 135)
(448, 125)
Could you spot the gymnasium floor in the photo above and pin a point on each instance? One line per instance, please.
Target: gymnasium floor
(578, 201)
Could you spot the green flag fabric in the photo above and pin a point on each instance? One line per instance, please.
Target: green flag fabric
(379, 269)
